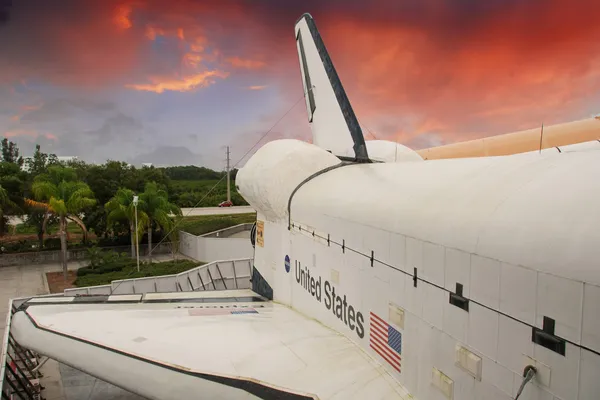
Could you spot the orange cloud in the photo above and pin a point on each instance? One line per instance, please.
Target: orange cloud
(50, 136)
(436, 68)
(257, 87)
(185, 84)
(20, 133)
(192, 59)
(121, 16)
(245, 63)
(152, 32)
(24, 109)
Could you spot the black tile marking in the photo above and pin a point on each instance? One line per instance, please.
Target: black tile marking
(457, 299)
(307, 80)
(415, 277)
(545, 337)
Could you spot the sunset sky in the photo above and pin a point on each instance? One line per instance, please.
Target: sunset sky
(174, 82)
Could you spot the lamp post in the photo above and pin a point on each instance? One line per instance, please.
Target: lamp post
(137, 247)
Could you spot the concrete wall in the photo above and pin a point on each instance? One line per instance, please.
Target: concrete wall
(208, 249)
(227, 232)
(46, 257)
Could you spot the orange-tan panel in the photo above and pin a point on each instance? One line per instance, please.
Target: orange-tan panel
(519, 142)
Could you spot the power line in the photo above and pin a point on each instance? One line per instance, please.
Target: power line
(218, 182)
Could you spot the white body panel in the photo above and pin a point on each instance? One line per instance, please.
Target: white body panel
(520, 233)
(141, 347)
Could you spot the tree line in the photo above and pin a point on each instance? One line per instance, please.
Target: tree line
(99, 198)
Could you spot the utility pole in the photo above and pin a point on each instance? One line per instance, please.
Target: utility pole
(228, 180)
(137, 242)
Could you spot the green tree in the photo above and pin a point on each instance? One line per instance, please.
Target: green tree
(12, 183)
(6, 205)
(65, 197)
(40, 218)
(158, 209)
(120, 209)
(40, 161)
(10, 152)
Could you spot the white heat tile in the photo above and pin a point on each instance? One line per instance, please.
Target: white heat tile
(591, 317)
(412, 341)
(414, 255)
(531, 390)
(483, 330)
(486, 391)
(497, 375)
(458, 270)
(517, 292)
(564, 370)
(560, 299)
(514, 342)
(413, 296)
(485, 281)
(396, 279)
(377, 241)
(433, 263)
(433, 301)
(456, 321)
(398, 251)
(589, 382)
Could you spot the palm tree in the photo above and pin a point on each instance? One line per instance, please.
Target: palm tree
(65, 197)
(158, 209)
(120, 208)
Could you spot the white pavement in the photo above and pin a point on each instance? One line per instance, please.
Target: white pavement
(29, 280)
(24, 281)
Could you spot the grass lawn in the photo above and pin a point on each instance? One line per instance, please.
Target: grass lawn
(199, 225)
(130, 271)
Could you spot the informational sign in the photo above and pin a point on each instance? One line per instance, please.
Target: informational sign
(260, 233)
(287, 263)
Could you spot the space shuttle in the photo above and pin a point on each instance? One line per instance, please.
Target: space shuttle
(379, 273)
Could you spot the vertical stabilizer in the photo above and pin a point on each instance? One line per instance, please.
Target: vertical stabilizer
(332, 120)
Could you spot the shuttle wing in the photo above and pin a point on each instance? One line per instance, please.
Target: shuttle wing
(231, 345)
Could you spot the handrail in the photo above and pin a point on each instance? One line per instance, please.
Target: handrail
(171, 279)
(14, 378)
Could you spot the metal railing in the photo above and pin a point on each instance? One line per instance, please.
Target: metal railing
(19, 368)
(217, 275)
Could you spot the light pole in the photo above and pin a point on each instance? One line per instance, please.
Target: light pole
(137, 247)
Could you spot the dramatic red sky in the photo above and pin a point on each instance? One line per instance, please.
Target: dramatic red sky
(176, 81)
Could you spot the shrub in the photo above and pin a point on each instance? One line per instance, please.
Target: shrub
(106, 261)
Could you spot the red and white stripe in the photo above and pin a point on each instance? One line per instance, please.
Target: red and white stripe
(379, 342)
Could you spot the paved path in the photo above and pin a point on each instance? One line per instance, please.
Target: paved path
(29, 280)
(24, 281)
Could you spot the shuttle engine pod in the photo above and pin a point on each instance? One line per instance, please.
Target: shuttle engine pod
(271, 175)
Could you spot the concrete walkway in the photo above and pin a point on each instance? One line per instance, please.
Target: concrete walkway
(61, 382)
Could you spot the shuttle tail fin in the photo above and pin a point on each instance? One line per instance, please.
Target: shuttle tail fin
(334, 125)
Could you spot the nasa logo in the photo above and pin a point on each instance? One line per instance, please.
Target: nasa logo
(287, 263)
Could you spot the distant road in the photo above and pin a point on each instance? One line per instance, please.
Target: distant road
(195, 211)
(216, 210)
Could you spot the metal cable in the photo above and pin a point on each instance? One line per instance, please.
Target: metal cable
(528, 374)
(216, 184)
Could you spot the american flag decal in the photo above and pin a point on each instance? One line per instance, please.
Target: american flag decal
(385, 341)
